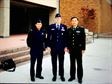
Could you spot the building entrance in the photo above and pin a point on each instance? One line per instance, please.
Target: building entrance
(22, 17)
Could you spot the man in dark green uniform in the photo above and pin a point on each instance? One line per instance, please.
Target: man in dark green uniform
(76, 46)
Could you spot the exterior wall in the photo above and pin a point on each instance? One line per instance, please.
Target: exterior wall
(53, 5)
(106, 17)
(4, 17)
(50, 3)
(52, 14)
(70, 8)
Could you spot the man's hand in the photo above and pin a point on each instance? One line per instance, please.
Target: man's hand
(66, 49)
(83, 51)
(48, 49)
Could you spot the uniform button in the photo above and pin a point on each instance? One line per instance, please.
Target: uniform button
(73, 37)
(80, 45)
(72, 43)
(57, 40)
(57, 36)
(72, 40)
(73, 34)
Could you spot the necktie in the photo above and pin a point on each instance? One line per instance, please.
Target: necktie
(58, 27)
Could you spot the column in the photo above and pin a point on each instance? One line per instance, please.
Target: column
(4, 18)
(58, 6)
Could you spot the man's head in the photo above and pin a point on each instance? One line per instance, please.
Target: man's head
(74, 21)
(58, 18)
(38, 24)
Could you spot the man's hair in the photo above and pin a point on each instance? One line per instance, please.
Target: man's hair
(74, 17)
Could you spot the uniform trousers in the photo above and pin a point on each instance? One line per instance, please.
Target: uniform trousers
(36, 55)
(76, 58)
(57, 54)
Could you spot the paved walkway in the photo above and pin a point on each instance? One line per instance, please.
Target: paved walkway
(14, 41)
(97, 62)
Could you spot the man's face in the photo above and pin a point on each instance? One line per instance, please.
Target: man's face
(58, 20)
(38, 25)
(74, 22)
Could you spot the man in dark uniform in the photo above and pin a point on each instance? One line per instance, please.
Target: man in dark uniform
(57, 44)
(36, 42)
(76, 46)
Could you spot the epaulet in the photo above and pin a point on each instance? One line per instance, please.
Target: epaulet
(82, 26)
(69, 28)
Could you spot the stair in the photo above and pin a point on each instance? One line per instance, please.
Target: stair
(17, 54)
(105, 35)
(89, 39)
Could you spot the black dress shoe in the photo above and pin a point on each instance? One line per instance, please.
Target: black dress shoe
(62, 78)
(80, 81)
(54, 79)
(40, 77)
(71, 79)
(32, 79)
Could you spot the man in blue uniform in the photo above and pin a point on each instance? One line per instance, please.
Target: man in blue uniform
(57, 44)
(36, 42)
(76, 46)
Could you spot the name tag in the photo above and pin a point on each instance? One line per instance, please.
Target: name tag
(52, 29)
(78, 32)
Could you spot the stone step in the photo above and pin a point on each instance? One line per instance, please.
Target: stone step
(21, 59)
(6, 51)
(24, 58)
(19, 55)
(104, 35)
(89, 39)
(15, 54)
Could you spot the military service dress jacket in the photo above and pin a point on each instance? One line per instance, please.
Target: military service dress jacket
(57, 38)
(76, 38)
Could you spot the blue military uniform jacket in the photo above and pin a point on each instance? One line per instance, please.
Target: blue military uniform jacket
(76, 38)
(57, 38)
(36, 38)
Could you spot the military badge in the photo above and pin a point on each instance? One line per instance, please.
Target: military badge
(42, 34)
(62, 29)
(52, 29)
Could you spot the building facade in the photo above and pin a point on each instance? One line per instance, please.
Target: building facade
(95, 15)
(17, 16)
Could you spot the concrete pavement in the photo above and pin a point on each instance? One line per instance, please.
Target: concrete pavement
(14, 41)
(97, 62)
